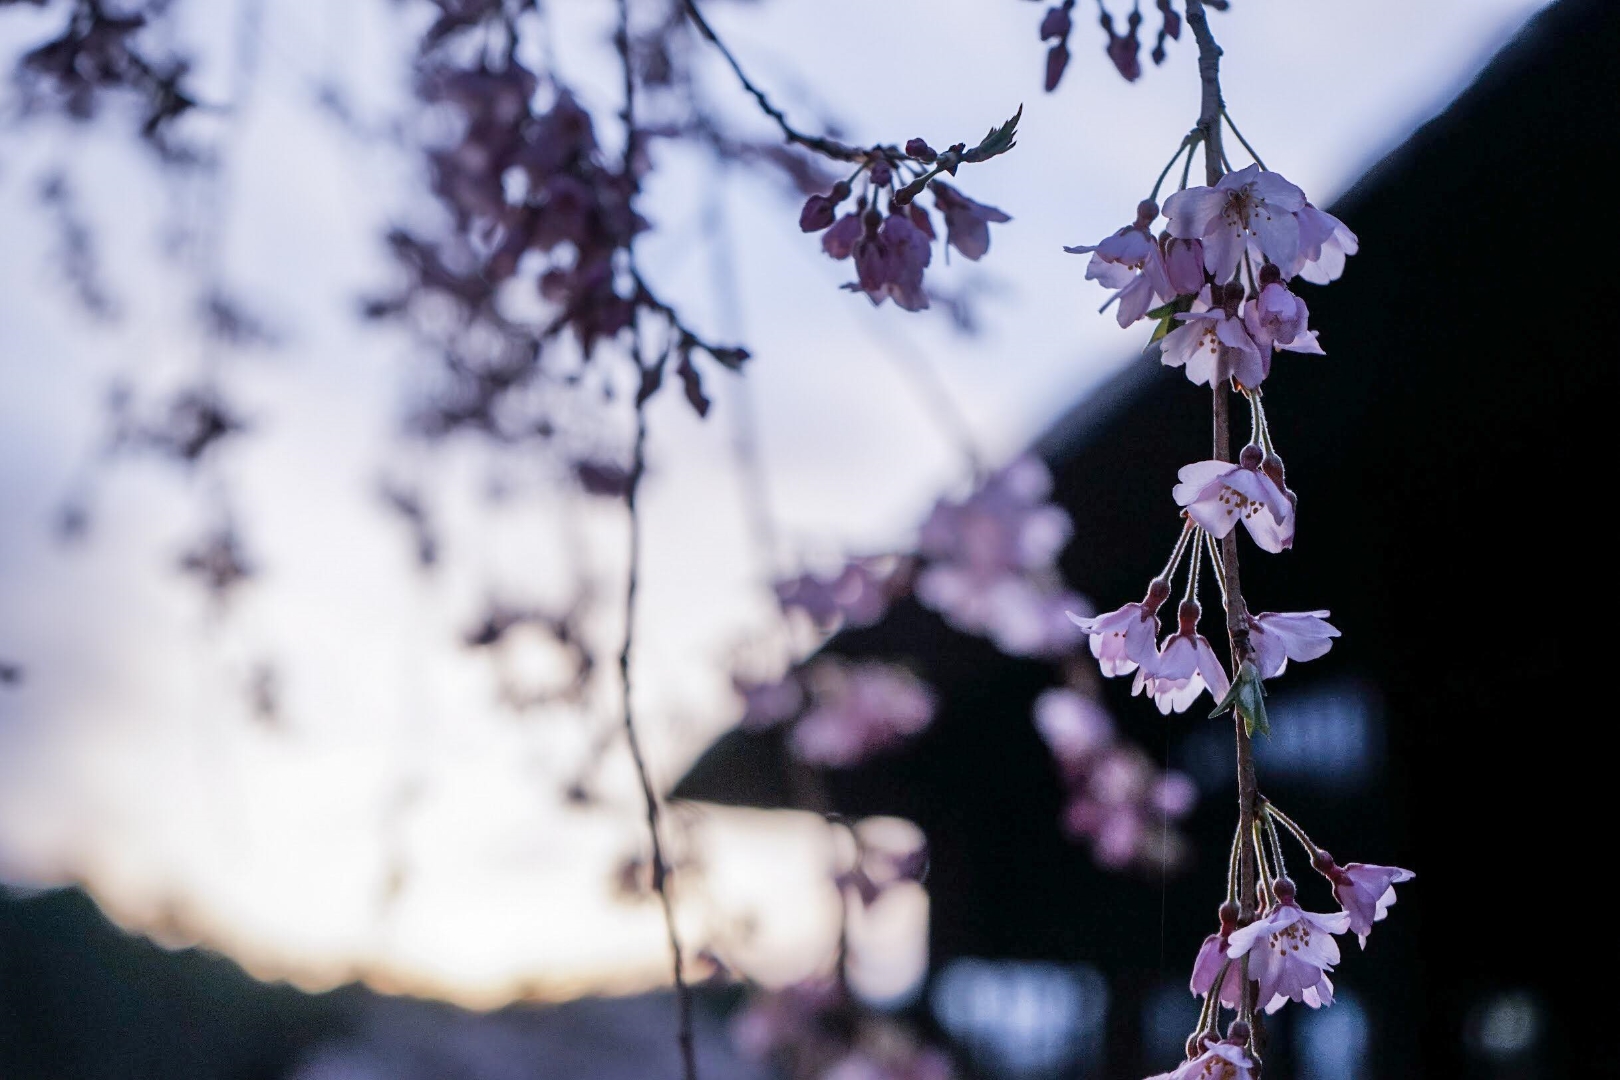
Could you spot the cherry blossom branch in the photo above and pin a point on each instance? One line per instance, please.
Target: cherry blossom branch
(830, 148)
(1211, 110)
(648, 375)
(998, 141)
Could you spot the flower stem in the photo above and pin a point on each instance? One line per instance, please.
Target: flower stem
(1241, 139)
(1188, 143)
(1211, 108)
(1293, 826)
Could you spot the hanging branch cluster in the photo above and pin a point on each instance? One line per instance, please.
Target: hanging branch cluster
(99, 53)
(1124, 50)
(1216, 282)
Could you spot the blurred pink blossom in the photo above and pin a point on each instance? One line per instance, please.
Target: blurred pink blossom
(859, 709)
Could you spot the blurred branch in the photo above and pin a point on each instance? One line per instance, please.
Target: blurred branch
(648, 376)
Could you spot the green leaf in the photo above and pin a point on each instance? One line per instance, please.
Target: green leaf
(1247, 697)
(999, 140)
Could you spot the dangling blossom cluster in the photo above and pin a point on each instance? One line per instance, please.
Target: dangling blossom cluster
(857, 595)
(1217, 277)
(843, 712)
(990, 563)
(987, 563)
(1118, 799)
(1124, 49)
(887, 234)
(1286, 951)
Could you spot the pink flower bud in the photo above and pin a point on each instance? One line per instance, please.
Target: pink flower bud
(1251, 457)
(818, 213)
(1187, 616)
(1272, 466)
(920, 150)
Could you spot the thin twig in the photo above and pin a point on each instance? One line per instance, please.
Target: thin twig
(831, 148)
(632, 487)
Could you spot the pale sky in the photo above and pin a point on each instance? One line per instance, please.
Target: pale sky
(128, 760)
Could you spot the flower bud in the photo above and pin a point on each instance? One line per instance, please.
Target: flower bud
(1238, 1032)
(871, 220)
(1273, 467)
(1323, 862)
(1158, 592)
(1056, 24)
(1251, 457)
(1283, 889)
(1146, 212)
(920, 150)
(1187, 616)
(840, 191)
(1228, 914)
(1269, 275)
(880, 173)
(819, 212)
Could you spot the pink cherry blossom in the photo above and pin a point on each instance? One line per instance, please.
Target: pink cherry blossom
(1277, 637)
(1185, 666)
(1130, 262)
(890, 258)
(1221, 1061)
(1074, 727)
(1278, 319)
(967, 223)
(990, 558)
(1290, 952)
(857, 596)
(1366, 893)
(766, 704)
(1214, 346)
(1219, 494)
(1324, 242)
(1126, 638)
(859, 709)
(1120, 800)
(1250, 209)
(1184, 265)
(1212, 956)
